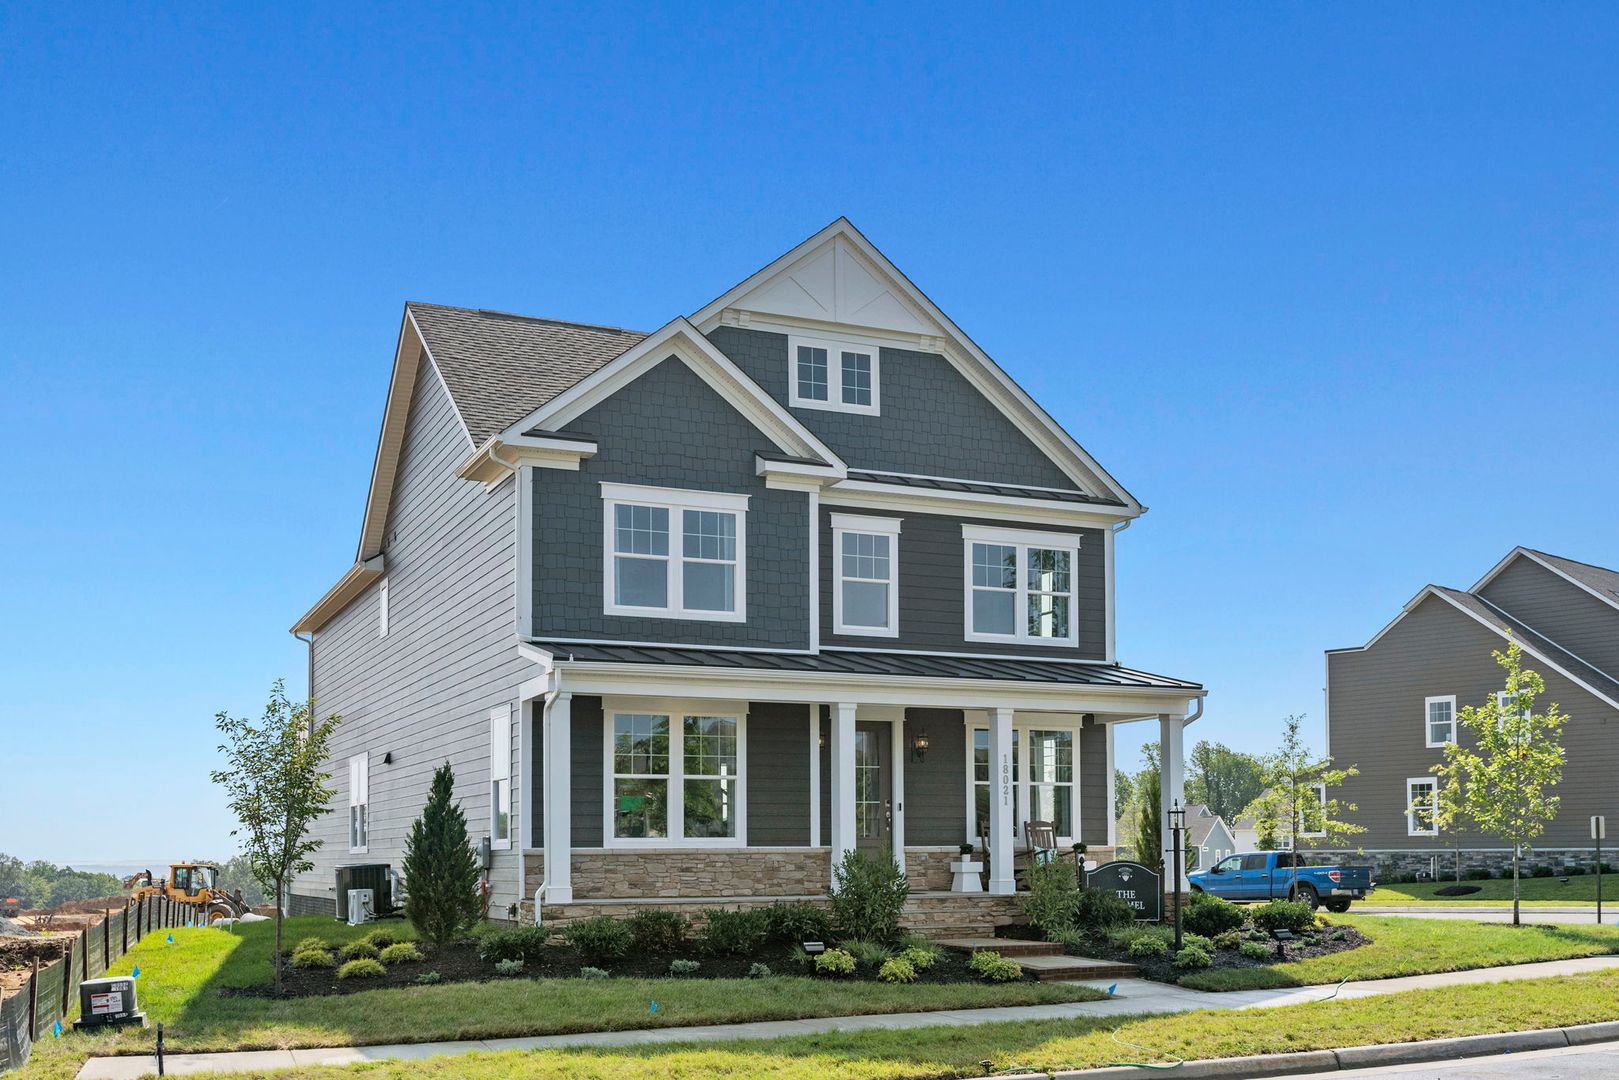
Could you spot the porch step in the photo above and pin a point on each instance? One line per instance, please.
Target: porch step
(1005, 946)
(1044, 960)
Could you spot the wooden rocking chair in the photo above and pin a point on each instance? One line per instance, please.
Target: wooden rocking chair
(1040, 847)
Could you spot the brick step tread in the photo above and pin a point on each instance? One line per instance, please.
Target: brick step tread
(1050, 968)
(1005, 946)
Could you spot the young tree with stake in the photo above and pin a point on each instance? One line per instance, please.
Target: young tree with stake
(1298, 801)
(275, 783)
(1502, 783)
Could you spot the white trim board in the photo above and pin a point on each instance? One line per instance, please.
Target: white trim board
(1536, 558)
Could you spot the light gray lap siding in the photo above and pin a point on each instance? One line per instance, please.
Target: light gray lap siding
(1554, 606)
(932, 589)
(1376, 706)
(933, 421)
(668, 429)
(423, 693)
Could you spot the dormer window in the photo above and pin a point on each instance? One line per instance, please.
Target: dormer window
(838, 374)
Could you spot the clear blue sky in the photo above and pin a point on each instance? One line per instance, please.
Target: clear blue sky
(1335, 296)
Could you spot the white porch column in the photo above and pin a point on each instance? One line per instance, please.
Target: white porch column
(1001, 880)
(1172, 782)
(843, 831)
(558, 761)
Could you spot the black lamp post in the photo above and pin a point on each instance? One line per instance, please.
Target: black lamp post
(1177, 825)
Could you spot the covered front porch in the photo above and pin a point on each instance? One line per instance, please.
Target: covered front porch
(683, 778)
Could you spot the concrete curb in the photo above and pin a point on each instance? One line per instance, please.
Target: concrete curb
(1360, 1057)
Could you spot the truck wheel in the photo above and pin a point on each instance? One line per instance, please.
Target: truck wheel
(1337, 907)
(1306, 894)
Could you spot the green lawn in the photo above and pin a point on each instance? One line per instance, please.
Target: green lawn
(1579, 890)
(937, 1052)
(180, 984)
(1402, 946)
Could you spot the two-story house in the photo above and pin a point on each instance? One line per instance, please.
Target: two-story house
(694, 612)
(1393, 704)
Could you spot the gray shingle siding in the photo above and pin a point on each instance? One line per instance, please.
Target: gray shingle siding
(668, 429)
(423, 693)
(933, 421)
(1094, 782)
(932, 597)
(1560, 610)
(1375, 698)
(778, 764)
(587, 778)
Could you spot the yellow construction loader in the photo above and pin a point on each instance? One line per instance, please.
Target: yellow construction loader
(192, 883)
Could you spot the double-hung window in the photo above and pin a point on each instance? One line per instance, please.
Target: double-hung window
(1314, 812)
(1020, 585)
(674, 554)
(865, 597)
(1439, 714)
(833, 374)
(500, 776)
(675, 777)
(359, 802)
(1042, 790)
(1422, 806)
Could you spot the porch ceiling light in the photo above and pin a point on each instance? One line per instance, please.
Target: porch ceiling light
(919, 745)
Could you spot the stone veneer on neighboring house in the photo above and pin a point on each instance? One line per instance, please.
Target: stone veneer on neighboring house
(1386, 864)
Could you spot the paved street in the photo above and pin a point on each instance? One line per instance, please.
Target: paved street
(1570, 1063)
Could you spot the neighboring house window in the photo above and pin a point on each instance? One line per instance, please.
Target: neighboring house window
(359, 802)
(1051, 779)
(674, 554)
(1441, 719)
(500, 776)
(833, 374)
(674, 778)
(1314, 821)
(865, 598)
(1020, 585)
(382, 609)
(1422, 806)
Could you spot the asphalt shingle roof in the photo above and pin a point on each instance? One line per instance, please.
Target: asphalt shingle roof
(501, 367)
(1598, 578)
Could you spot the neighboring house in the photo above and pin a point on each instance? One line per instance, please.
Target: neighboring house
(1392, 704)
(1245, 833)
(1211, 838)
(694, 612)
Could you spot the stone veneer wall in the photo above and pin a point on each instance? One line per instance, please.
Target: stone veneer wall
(1386, 864)
(605, 874)
(928, 868)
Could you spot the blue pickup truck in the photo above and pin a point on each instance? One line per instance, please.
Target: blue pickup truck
(1256, 876)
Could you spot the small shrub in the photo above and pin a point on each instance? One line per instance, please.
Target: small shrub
(1573, 871)
(834, 962)
(1322, 920)
(359, 950)
(683, 967)
(759, 971)
(508, 967)
(657, 931)
(1283, 915)
(600, 939)
(733, 933)
(1253, 950)
(896, 970)
(308, 959)
(791, 923)
(592, 973)
(362, 968)
(381, 938)
(1482, 873)
(1097, 912)
(1196, 941)
(920, 957)
(518, 943)
(1191, 956)
(1052, 901)
(1072, 941)
(1210, 915)
(401, 952)
(429, 978)
(1228, 940)
(1340, 935)
(868, 894)
(1542, 871)
(1145, 948)
(867, 954)
(311, 943)
(993, 967)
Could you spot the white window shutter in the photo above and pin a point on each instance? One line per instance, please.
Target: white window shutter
(500, 742)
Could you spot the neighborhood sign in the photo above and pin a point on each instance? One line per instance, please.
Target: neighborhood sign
(1134, 884)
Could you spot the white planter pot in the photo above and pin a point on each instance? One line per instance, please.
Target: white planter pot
(967, 877)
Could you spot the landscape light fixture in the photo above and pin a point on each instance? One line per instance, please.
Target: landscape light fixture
(1282, 938)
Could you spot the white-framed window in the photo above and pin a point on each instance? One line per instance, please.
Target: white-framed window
(674, 554)
(500, 777)
(865, 595)
(1020, 585)
(382, 608)
(830, 373)
(675, 776)
(1045, 789)
(1439, 719)
(359, 802)
(1315, 817)
(1422, 806)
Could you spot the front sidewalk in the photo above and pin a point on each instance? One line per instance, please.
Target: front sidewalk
(1133, 997)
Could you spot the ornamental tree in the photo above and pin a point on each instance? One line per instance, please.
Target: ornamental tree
(442, 875)
(1298, 803)
(275, 783)
(1502, 783)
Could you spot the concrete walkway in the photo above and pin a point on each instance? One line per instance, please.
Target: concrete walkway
(1133, 996)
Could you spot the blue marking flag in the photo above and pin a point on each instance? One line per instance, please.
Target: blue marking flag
(57, 1031)
(171, 939)
(136, 973)
(1112, 989)
(654, 1008)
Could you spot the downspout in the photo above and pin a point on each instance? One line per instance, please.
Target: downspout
(545, 713)
(309, 643)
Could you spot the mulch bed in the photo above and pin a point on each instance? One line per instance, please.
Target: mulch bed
(459, 962)
(1457, 890)
(1163, 969)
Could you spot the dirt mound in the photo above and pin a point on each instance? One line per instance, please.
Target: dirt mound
(95, 906)
(13, 928)
(17, 953)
